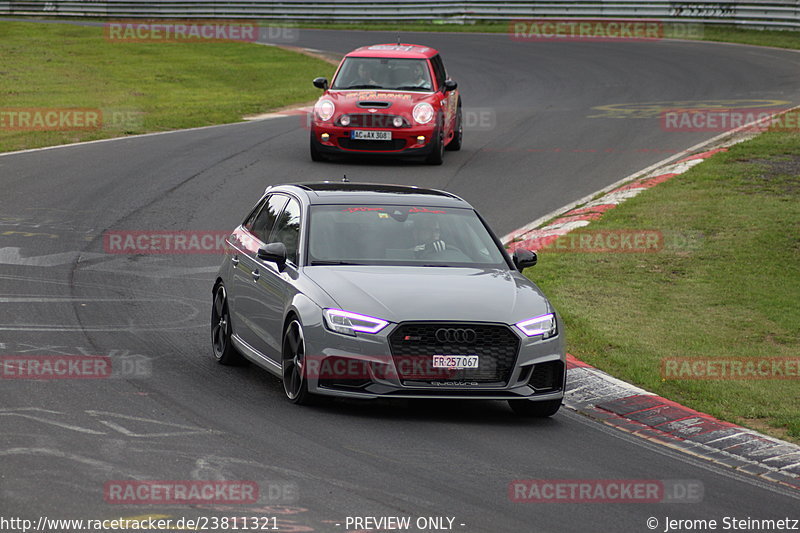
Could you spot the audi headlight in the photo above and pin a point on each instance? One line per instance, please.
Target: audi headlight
(422, 113)
(544, 325)
(348, 323)
(324, 109)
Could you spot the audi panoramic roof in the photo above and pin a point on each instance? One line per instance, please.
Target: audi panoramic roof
(339, 192)
(347, 186)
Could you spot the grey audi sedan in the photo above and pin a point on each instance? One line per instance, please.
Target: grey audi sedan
(364, 291)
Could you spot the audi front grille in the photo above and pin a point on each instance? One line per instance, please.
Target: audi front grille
(414, 344)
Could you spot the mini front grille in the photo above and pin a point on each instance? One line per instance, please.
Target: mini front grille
(374, 120)
(413, 346)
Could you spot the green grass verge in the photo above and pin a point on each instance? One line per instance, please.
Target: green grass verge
(732, 290)
(167, 85)
(719, 33)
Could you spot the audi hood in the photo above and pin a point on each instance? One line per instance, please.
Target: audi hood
(399, 294)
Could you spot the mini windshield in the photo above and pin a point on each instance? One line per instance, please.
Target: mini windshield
(383, 73)
(400, 235)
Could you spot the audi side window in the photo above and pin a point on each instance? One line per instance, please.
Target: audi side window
(248, 222)
(287, 229)
(265, 220)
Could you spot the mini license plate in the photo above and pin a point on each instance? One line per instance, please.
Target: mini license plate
(370, 135)
(455, 361)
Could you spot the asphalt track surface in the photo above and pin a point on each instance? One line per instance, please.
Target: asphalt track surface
(185, 417)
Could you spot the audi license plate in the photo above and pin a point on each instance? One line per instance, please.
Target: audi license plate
(369, 135)
(455, 361)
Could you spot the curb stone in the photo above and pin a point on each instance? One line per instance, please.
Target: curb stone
(611, 401)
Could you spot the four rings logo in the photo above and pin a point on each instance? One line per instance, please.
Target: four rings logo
(456, 335)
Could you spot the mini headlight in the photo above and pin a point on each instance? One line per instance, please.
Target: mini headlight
(544, 325)
(344, 120)
(324, 109)
(397, 122)
(422, 113)
(348, 323)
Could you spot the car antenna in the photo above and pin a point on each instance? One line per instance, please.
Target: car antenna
(344, 179)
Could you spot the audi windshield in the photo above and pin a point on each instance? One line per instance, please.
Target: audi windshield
(400, 235)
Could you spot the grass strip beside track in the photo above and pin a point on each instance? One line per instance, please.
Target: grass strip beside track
(727, 284)
(157, 86)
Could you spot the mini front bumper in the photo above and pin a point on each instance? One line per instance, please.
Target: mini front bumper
(404, 142)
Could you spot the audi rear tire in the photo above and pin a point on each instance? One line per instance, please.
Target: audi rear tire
(221, 330)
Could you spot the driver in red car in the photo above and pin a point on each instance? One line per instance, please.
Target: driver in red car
(419, 79)
(364, 75)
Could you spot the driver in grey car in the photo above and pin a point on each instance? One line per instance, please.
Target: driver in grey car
(428, 236)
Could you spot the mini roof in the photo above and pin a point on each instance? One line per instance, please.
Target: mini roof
(404, 50)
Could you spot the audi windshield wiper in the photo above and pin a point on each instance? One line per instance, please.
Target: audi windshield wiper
(326, 263)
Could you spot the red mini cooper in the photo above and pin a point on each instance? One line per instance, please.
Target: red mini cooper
(389, 99)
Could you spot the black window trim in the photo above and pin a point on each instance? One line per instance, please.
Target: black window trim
(440, 63)
(300, 247)
(265, 202)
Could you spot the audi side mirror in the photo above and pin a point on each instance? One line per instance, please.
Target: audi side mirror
(321, 83)
(524, 258)
(274, 252)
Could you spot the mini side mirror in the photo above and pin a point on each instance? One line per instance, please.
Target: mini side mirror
(450, 85)
(321, 83)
